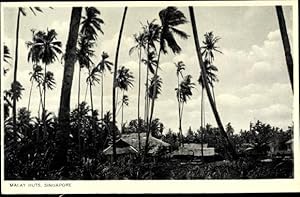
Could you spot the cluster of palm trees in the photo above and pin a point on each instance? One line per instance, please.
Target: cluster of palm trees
(152, 41)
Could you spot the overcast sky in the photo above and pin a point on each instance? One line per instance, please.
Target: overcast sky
(253, 79)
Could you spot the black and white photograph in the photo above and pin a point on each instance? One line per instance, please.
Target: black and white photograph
(144, 92)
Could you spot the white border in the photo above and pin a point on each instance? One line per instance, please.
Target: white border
(169, 186)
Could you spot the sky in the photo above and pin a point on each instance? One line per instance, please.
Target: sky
(253, 79)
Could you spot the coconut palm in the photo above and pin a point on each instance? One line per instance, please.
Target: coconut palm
(180, 66)
(140, 44)
(124, 82)
(170, 18)
(91, 80)
(183, 93)
(44, 48)
(286, 43)
(231, 152)
(210, 46)
(103, 65)
(115, 84)
(84, 54)
(21, 11)
(151, 33)
(124, 101)
(35, 76)
(91, 23)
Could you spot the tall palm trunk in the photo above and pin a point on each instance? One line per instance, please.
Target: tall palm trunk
(78, 105)
(152, 107)
(178, 100)
(122, 114)
(202, 122)
(64, 107)
(29, 98)
(231, 152)
(44, 108)
(286, 43)
(139, 97)
(147, 88)
(79, 89)
(102, 85)
(15, 72)
(114, 85)
(91, 93)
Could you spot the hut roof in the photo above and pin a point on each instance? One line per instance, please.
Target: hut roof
(195, 150)
(133, 140)
(122, 147)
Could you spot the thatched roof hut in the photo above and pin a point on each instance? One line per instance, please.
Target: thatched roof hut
(193, 149)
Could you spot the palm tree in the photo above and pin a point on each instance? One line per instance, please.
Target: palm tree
(124, 81)
(151, 33)
(44, 48)
(102, 66)
(22, 11)
(183, 93)
(35, 76)
(286, 43)
(180, 66)
(91, 80)
(84, 54)
(210, 46)
(231, 152)
(170, 18)
(124, 101)
(91, 23)
(114, 84)
(140, 44)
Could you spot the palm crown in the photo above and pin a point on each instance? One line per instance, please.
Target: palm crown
(170, 18)
(91, 23)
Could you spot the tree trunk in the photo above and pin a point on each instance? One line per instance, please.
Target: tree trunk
(114, 85)
(231, 154)
(70, 59)
(202, 126)
(44, 109)
(286, 43)
(64, 107)
(139, 97)
(79, 78)
(102, 81)
(15, 72)
(30, 95)
(178, 100)
(122, 114)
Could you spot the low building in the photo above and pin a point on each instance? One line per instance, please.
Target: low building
(193, 150)
(129, 144)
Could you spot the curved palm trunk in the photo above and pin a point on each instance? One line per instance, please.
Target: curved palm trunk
(231, 152)
(286, 44)
(139, 97)
(147, 89)
(114, 85)
(15, 71)
(30, 92)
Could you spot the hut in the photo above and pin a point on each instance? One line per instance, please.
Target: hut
(193, 150)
